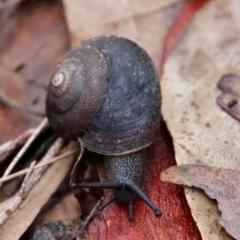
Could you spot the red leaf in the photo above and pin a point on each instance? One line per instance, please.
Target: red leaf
(176, 221)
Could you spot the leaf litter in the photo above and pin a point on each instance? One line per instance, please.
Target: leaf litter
(202, 132)
(218, 183)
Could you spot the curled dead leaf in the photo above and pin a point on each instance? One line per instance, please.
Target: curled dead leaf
(230, 98)
(220, 184)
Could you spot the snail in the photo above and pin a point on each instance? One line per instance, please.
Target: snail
(106, 93)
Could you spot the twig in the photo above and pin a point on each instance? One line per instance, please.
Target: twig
(91, 214)
(28, 183)
(25, 147)
(52, 160)
(73, 173)
(7, 147)
(4, 215)
(29, 172)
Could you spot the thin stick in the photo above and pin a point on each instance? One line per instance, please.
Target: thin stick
(7, 147)
(73, 173)
(18, 199)
(25, 147)
(29, 182)
(92, 214)
(29, 172)
(24, 171)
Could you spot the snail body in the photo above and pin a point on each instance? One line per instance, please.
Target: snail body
(106, 93)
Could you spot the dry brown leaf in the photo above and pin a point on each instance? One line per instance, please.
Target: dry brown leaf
(202, 132)
(220, 184)
(33, 38)
(230, 97)
(145, 22)
(14, 121)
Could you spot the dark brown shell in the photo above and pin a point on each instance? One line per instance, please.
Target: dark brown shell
(77, 91)
(130, 113)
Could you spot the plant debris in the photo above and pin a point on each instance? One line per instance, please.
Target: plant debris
(218, 183)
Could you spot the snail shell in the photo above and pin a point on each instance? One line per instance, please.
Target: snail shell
(107, 92)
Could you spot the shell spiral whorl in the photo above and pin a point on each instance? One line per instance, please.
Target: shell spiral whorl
(77, 91)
